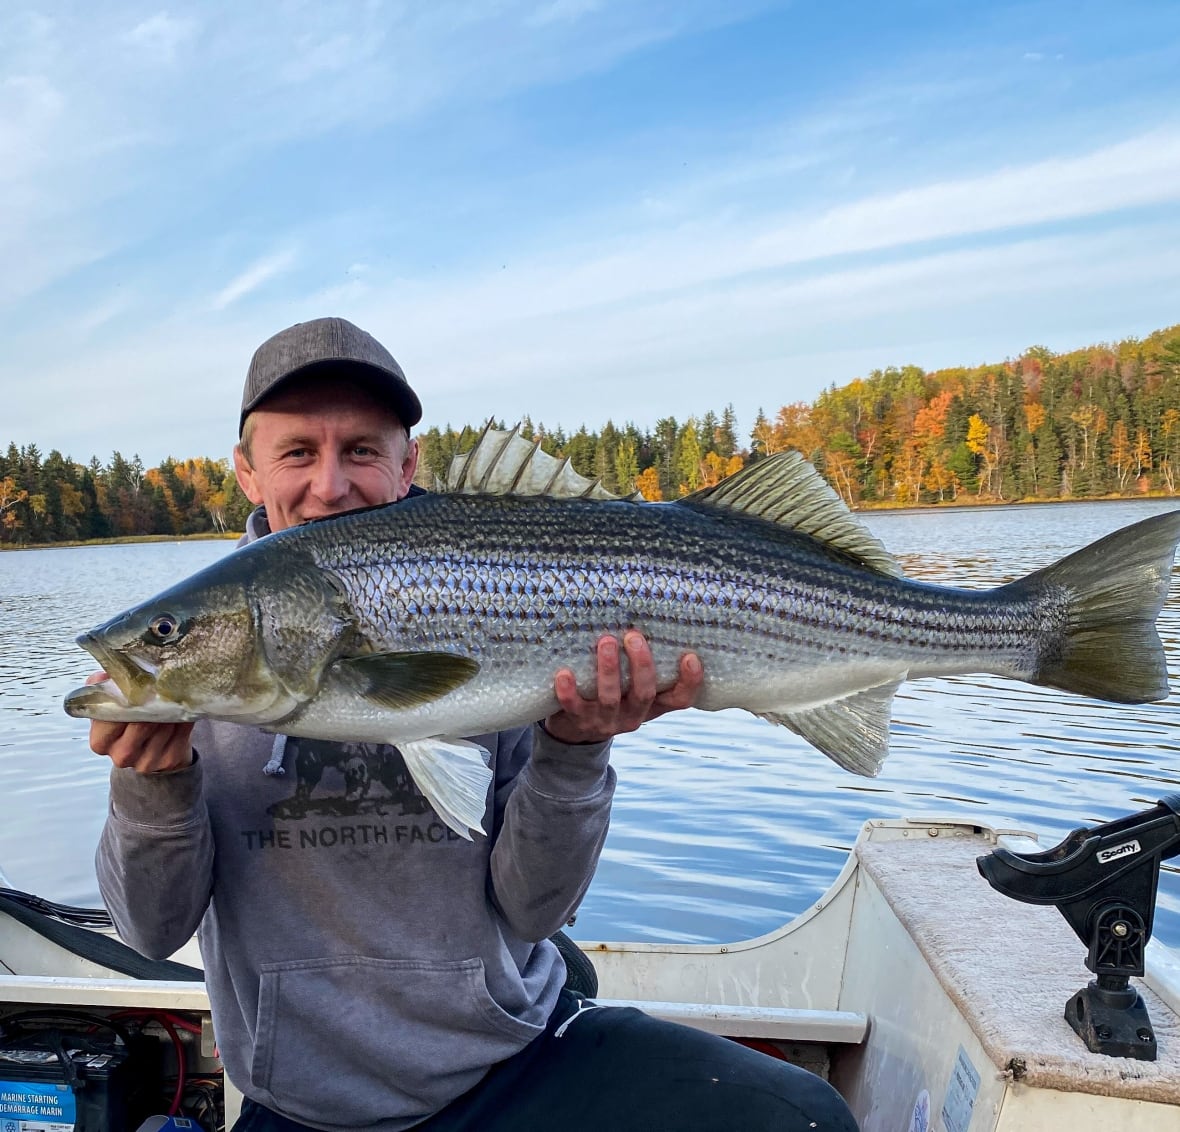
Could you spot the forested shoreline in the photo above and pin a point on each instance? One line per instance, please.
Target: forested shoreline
(1102, 421)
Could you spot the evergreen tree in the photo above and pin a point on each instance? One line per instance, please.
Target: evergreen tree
(726, 444)
(626, 465)
(687, 458)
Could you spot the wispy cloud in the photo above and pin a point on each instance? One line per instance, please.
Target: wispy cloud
(560, 10)
(253, 277)
(161, 36)
(108, 307)
(30, 104)
(1142, 170)
(316, 58)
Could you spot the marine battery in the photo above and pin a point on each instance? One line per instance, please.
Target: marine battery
(58, 1079)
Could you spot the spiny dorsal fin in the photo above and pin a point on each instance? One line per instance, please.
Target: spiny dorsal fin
(787, 490)
(503, 462)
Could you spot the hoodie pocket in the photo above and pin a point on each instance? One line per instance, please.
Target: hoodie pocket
(357, 1040)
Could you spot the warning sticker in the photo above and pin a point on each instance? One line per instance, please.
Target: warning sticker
(35, 1106)
(960, 1094)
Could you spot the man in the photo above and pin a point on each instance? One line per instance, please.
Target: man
(368, 968)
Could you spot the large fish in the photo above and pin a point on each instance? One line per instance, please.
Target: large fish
(449, 614)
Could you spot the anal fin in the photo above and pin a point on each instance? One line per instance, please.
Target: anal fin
(852, 731)
(454, 776)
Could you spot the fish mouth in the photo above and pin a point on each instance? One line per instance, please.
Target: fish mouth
(134, 679)
(91, 700)
(104, 701)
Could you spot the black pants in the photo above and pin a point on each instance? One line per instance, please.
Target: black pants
(615, 1069)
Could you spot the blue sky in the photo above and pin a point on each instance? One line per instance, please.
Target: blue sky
(579, 210)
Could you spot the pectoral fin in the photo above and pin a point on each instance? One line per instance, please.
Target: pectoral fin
(853, 731)
(402, 680)
(453, 774)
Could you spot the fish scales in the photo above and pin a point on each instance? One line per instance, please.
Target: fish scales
(494, 577)
(449, 614)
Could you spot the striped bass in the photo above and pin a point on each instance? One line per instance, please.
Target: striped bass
(447, 615)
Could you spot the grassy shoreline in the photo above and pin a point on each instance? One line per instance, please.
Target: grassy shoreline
(207, 536)
(969, 503)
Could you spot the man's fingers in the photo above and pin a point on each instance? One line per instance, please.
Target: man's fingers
(565, 687)
(684, 692)
(146, 747)
(643, 668)
(609, 680)
(103, 736)
(163, 747)
(612, 712)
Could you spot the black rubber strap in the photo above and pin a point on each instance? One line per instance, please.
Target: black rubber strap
(98, 948)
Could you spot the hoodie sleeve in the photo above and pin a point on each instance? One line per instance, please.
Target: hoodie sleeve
(552, 818)
(155, 857)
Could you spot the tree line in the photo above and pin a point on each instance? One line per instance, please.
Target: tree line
(1094, 422)
(1100, 421)
(49, 499)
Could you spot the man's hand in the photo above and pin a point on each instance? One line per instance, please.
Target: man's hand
(613, 713)
(149, 748)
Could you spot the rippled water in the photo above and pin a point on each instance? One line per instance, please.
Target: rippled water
(724, 826)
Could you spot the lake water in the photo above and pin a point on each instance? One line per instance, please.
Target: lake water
(724, 826)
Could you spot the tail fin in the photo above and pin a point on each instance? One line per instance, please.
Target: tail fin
(1114, 589)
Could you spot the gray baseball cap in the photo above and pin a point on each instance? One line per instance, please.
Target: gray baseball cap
(328, 347)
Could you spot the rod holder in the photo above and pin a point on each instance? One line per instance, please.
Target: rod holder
(1103, 879)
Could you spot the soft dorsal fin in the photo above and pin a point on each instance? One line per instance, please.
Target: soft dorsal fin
(503, 462)
(787, 490)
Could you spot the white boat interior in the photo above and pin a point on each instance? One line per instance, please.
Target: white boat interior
(929, 999)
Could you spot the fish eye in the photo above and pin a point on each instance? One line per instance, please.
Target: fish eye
(164, 627)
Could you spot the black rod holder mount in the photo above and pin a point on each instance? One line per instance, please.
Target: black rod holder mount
(1103, 879)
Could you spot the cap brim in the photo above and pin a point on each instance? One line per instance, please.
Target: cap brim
(385, 386)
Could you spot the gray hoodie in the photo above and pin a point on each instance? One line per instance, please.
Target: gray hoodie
(365, 964)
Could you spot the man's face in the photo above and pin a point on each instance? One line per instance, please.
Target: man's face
(317, 450)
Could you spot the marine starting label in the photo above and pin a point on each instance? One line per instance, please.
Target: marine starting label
(38, 1106)
(960, 1094)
